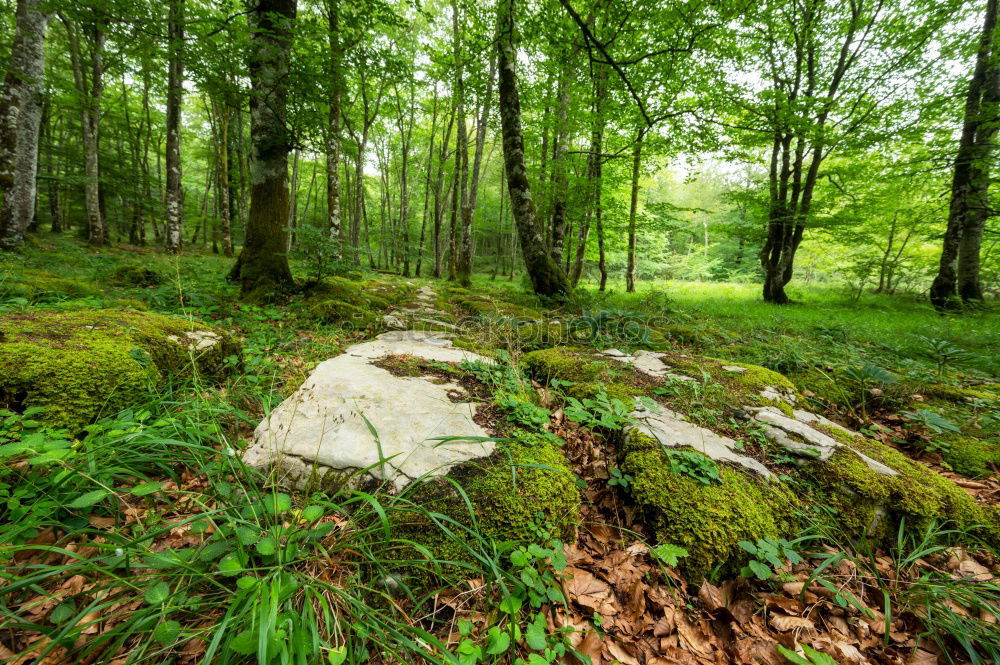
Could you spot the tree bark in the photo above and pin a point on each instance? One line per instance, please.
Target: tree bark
(469, 201)
(547, 278)
(633, 211)
(175, 95)
(20, 118)
(560, 184)
(262, 266)
(333, 131)
(593, 177)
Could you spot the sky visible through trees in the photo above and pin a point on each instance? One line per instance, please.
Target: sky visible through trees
(566, 142)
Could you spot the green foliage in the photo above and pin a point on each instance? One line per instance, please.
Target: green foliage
(692, 464)
(768, 554)
(600, 411)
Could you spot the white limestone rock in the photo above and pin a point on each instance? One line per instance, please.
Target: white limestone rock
(321, 428)
(673, 430)
(801, 439)
(648, 362)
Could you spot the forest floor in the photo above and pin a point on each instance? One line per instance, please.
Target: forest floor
(88, 579)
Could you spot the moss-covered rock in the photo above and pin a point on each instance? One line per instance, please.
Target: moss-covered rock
(129, 274)
(871, 504)
(972, 457)
(43, 287)
(587, 373)
(525, 487)
(706, 520)
(80, 365)
(338, 311)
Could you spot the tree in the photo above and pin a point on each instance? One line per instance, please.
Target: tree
(958, 270)
(175, 93)
(20, 117)
(262, 266)
(547, 277)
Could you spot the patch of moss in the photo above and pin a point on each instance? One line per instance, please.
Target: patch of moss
(745, 386)
(706, 520)
(129, 274)
(487, 306)
(82, 364)
(43, 287)
(948, 393)
(972, 457)
(338, 311)
(526, 485)
(918, 493)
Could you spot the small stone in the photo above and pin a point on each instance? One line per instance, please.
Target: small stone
(393, 322)
(734, 368)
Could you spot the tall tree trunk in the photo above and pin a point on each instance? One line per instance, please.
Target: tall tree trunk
(333, 130)
(225, 192)
(970, 177)
(469, 202)
(593, 176)
(175, 94)
(427, 182)
(633, 211)
(90, 115)
(440, 197)
(547, 277)
(20, 118)
(262, 266)
(560, 185)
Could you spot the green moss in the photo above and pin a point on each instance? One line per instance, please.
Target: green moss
(948, 393)
(972, 457)
(525, 486)
(918, 493)
(744, 387)
(706, 520)
(82, 364)
(338, 311)
(486, 306)
(43, 287)
(129, 274)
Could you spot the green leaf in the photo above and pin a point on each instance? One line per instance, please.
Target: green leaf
(167, 631)
(312, 513)
(534, 636)
(669, 553)
(267, 546)
(158, 593)
(337, 655)
(762, 571)
(464, 626)
(511, 605)
(792, 655)
(279, 503)
(146, 488)
(88, 499)
(230, 565)
(244, 643)
(246, 582)
(62, 612)
(497, 641)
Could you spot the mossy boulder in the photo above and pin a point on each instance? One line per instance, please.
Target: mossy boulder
(872, 504)
(525, 488)
(81, 365)
(587, 374)
(972, 457)
(487, 306)
(129, 274)
(339, 311)
(708, 520)
(44, 287)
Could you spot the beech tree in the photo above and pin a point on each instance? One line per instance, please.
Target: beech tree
(262, 266)
(958, 270)
(20, 118)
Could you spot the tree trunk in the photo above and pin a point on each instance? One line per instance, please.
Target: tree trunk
(559, 180)
(20, 118)
(469, 202)
(547, 277)
(225, 193)
(970, 179)
(427, 182)
(262, 266)
(333, 131)
(633, 211)
(593, 175)
(90, 115)
(175, 93)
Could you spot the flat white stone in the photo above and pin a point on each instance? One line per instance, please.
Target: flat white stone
(799, 438)
(648, 362)
(393, 322)
(734, 368)
(322, 428)
(672, 430)
(197, 340)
